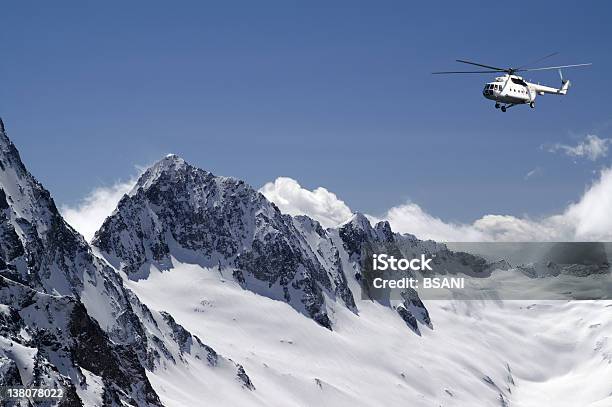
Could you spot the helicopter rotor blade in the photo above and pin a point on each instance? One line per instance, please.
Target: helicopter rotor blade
(452, 72)
(552, 67)
(537, 60)
(484, 66)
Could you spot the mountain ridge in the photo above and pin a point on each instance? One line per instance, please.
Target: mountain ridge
(196, 256)
(68, 314)
(178, 212)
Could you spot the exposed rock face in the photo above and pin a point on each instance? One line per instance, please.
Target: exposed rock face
(37, 247)
(65, 314)
(360, 240)
(177, 210)
(66, 317)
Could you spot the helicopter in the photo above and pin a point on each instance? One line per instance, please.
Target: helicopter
(510, 89)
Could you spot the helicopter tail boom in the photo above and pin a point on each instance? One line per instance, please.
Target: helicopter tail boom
(542, 89)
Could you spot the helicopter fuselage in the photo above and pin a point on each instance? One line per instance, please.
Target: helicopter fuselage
(514, 90)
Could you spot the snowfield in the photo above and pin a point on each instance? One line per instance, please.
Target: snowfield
(197, 291)
(513, 353)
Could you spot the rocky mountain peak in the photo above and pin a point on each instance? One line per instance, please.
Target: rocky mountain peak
(37, 247)
(9, 156)
(71, 312)
(383, 231)
(170, 162)
(178, 211)
(360, 221)
(169, 167)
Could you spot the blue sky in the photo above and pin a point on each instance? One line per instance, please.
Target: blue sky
(336, 94)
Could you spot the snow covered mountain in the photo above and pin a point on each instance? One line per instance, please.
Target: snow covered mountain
(189, 255)
(235, 262)
(67, 319)
(176, 210)
(177, 213)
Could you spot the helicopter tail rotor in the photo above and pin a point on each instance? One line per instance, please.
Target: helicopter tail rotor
(565, 84)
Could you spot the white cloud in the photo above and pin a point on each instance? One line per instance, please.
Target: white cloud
(88, 215)
(319, 204)
(592, 147)
(591, 217)
(588, 219)
(411, 218)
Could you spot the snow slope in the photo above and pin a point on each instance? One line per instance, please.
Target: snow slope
(189, 255)
(294, 317)
(479, 353)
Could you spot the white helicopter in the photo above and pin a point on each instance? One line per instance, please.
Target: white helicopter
(511, 90)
